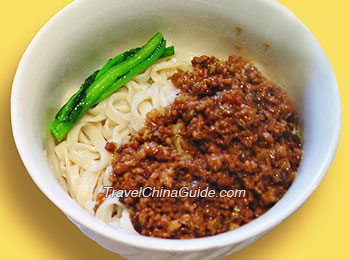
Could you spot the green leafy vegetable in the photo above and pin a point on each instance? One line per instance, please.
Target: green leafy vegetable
(102, 83)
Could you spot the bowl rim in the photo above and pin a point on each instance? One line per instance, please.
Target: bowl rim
(82, 217)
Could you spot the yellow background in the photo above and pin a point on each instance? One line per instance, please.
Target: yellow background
(31, 227)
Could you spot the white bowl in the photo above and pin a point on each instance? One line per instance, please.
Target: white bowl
(86, 33)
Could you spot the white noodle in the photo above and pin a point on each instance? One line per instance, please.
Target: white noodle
(83, 162)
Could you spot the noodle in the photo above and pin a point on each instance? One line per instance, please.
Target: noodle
(83, 163)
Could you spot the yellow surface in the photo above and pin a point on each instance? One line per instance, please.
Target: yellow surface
(31, 227)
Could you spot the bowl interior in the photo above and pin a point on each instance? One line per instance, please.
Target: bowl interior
(86, 33)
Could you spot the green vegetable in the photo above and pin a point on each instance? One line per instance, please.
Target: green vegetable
(102, 83)
(169, 51)
(133, 72)
(116, 60)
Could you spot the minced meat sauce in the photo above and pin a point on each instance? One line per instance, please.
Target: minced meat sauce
(229, 128)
